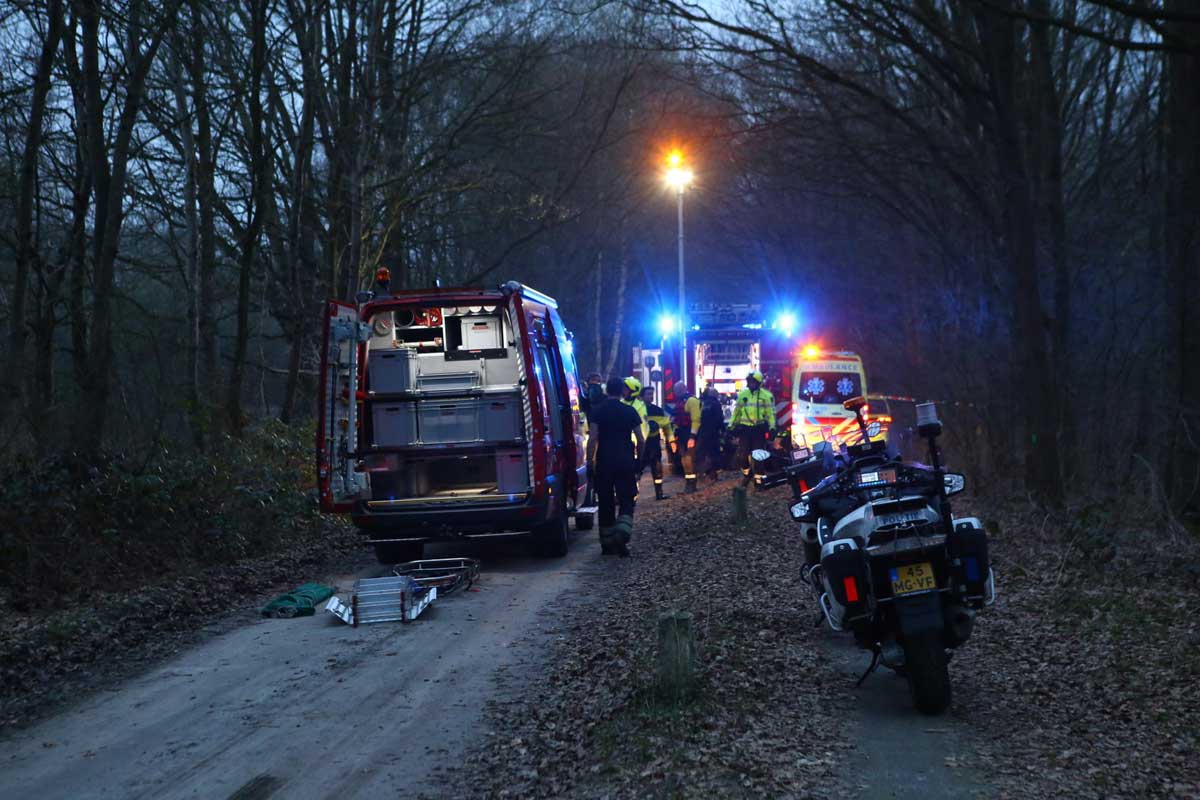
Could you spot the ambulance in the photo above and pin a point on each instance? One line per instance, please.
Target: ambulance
(823, 382)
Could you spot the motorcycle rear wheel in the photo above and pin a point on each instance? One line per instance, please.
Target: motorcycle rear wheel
(928, 673)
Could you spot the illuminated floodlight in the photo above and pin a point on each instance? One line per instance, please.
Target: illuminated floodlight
(667, 324)
(786, 322)
(677, 176)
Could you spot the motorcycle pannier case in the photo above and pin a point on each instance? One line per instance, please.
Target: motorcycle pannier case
(845, 570)
(969, 565)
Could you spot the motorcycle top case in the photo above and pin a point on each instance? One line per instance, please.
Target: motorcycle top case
(970, 568)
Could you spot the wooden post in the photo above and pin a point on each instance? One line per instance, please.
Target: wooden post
(741, 513)
(676, 656)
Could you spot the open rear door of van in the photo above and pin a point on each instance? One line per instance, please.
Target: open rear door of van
(338, 481)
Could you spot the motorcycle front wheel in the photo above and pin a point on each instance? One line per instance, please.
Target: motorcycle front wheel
(928, 672)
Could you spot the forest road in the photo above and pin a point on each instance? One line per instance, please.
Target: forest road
(307, 707)
(899, 753)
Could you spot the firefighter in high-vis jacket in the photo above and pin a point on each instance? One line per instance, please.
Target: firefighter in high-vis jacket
(687, 425)
(659, 425)
(633, 397)
(753, 421)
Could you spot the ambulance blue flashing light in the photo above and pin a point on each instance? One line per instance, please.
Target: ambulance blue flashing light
(667, 325)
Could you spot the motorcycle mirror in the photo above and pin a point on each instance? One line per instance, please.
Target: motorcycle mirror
(955, 482)
(760, 455)
(854, 403)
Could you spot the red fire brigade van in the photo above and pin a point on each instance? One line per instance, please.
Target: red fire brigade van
(449, 413)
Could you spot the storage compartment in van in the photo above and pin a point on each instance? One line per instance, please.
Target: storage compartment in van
(442, 350)
(492, 418)
(495, 473)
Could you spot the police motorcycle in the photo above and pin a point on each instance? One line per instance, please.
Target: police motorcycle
(888, 561)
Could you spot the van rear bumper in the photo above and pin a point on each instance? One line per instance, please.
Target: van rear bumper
(444, 522)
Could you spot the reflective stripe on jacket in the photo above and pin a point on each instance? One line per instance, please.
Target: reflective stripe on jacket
(658, 420)
(640, 407)
(752, 408)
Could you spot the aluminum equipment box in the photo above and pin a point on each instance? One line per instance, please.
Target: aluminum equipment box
(481, 333)
(503, 418)
(393, 424)
(392, 371)
(454, 421)
(512, 472)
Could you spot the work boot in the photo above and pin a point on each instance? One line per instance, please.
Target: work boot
(623, 530)
(607, 541)
(658, 492)
(690, 486)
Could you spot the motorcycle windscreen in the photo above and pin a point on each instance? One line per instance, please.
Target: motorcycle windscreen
(334, 395)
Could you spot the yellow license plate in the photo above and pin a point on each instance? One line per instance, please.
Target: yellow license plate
(913, 578)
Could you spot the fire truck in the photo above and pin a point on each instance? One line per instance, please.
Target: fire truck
(724, 343)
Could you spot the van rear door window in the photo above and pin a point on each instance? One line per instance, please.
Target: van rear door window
(829, 388)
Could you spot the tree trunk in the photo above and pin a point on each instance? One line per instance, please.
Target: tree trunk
(999, 33)
(195, 416)
(249, 244)
(1049, 143)
(91, 416)
(614, 348)
(291, 386)
(1182, 233)
(26, 248)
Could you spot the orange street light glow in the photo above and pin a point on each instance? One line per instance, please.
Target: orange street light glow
(675, 158)
(679, 178)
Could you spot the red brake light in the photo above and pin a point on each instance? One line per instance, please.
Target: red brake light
(851, 589)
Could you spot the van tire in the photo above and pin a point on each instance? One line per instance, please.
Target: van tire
(399, 552)
(550, 539)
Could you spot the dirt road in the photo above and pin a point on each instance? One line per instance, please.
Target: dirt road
(896, 752)
(303, 708)
(313, 708)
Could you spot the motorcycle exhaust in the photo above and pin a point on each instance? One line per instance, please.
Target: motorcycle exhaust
(960, 621)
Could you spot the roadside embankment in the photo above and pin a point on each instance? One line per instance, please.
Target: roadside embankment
(103, 571)
(1079, 681)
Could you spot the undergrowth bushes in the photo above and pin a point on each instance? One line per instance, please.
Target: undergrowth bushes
(66, 534)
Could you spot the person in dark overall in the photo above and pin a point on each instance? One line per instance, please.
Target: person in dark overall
(711, 435)
(593, 395)
(615, 450)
